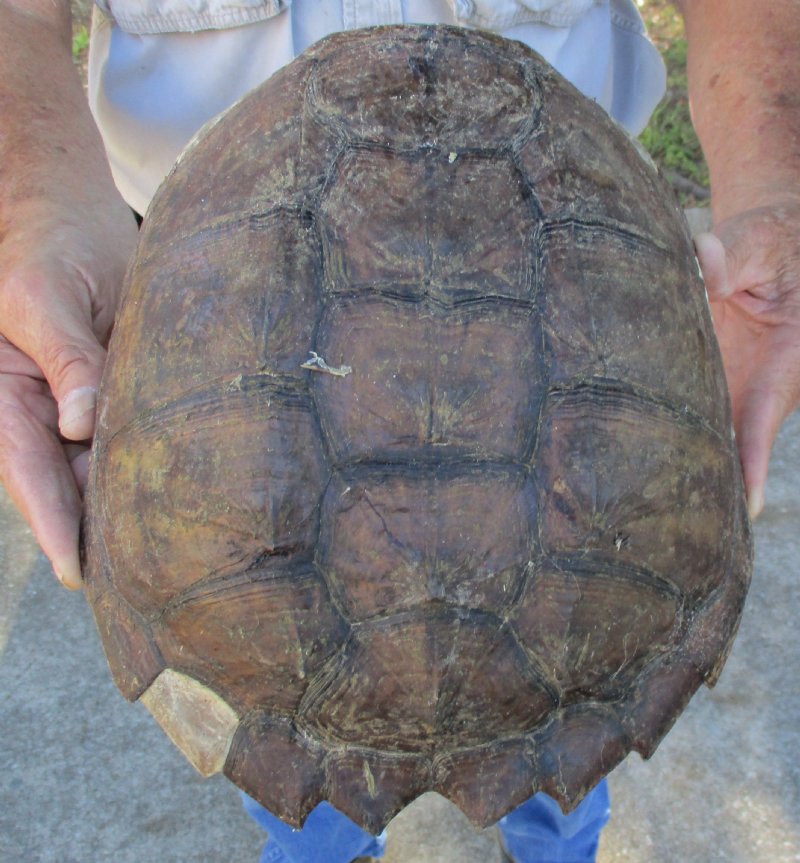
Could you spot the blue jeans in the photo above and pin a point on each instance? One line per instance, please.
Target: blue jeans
(535, 832)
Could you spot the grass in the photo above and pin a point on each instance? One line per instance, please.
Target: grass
(81, 27)
(670, 138)
(80, 43)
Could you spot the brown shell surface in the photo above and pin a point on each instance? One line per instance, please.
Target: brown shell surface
(505, 542)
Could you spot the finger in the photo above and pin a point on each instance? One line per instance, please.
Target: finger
(760, 415)
(78, 457)
(712, 257)
(35, 471)
(30, 394)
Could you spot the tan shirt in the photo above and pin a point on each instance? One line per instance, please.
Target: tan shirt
(154, 81)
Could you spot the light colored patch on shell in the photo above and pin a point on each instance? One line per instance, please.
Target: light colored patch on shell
(315, 363)
(195, 718)
(369, 778)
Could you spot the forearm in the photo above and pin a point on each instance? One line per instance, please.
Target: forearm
(744, 86)
(48, 141)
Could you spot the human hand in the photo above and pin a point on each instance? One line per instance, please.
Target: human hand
(60, 277)
(65, 239)
(751, 264)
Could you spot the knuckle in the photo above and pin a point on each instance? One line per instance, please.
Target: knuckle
(65, 360)
(23, 288)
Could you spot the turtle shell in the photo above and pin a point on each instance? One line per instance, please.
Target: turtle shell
(414, 466)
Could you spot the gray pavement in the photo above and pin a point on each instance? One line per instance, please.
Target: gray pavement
(87, 778)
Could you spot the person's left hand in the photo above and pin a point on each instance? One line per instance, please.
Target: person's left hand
(751, 265)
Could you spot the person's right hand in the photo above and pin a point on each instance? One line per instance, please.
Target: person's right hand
(65, 239)
(60, 278)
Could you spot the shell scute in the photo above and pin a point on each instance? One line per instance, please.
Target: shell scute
(259, 637)
(439, 385)
(254, 279)
(390, 543)
(434, 671)
(445, 244)
(402, 94)
(602, 283)
(230, 508)
(576, 173)
(625, 480)
(593, 627)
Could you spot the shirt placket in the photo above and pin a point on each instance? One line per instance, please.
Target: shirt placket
(358, 13)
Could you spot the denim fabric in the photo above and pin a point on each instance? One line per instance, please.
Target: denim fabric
(536, 832)
(326, 837)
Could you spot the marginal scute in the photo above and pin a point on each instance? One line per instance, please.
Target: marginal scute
(378, 783)
(128, 643)
(575, 752)
(197, 720)
(726, 607)
(494, 535)
(656, 701)
(487, 782)
(277, 765)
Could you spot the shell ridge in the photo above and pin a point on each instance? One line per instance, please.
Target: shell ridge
(623, 230)
(206, 399)
(597, 389)
(591, 563)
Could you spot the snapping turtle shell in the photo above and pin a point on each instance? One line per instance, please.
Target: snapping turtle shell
(414, 466)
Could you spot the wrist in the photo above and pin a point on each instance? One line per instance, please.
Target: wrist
(743, 77)
(729, 197)
(47, 134)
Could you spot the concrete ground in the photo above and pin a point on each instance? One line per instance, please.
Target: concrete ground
(87, 778)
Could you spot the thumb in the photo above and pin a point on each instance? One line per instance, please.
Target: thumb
(72, 360)
(717, 264)
(746, 252)
(52, 323)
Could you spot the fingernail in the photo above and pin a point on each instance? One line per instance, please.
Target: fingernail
(755, 503)
(73, 410)
(70, 582)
